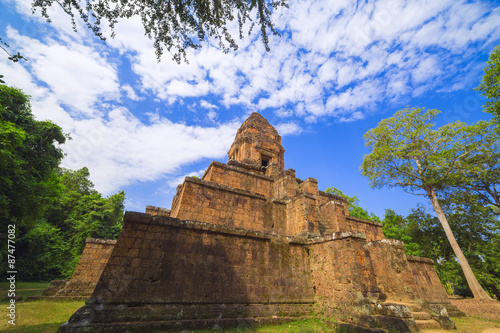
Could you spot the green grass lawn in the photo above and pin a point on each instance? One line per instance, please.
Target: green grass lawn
(44, 316)
(39, 316)
(25, 289)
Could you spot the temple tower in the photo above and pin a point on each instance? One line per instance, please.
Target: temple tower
(250, 242)
(258, 145)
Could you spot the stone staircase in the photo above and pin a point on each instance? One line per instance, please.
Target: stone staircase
(407, 313)
(422, 319)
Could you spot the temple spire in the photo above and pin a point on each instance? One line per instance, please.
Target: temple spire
(257, 144)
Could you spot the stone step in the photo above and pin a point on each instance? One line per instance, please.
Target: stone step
(421, 315)
(427, 324)
(414, 307)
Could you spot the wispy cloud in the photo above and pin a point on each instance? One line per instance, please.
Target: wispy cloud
(77, 75)
(331, 48)
(289, 128)
(337, 59)
(172, 183)
(121, 150)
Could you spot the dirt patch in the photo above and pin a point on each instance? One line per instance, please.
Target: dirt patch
(482, 309)
(482, 317)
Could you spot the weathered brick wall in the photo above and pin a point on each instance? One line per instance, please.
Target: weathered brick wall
(342, 273)
(301, 215)
(428, 286)
(89, 268)
(168, 260)
(393, 274)
(54, 287)
(152, 210)
(254, 139)
(234, 197)
(284, 185)
(332, 218)
(238, 178)
(165, 272)
(324, 198)
(372, 230)
(310, 185)
(218, 204)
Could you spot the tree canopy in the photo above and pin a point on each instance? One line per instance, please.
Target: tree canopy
(407, 152)
(54, 210)
(490, 84)
(353, 205)
(29, 155)
(476, 229)
(174, 26)
(52, 247)
(479, 178)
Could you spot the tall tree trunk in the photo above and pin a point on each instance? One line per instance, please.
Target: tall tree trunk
(474, 285)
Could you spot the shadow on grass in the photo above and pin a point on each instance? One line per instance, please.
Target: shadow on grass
(305, 325)
(42, 328)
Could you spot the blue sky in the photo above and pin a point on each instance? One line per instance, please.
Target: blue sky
(339, 68)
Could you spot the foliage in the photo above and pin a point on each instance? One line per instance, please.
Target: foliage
(490, 84)
(52, 249)
(29, 153)
(174, 25)
(353, 205)
(398, 227)
(13, 58)
(479, 232)
(407, 152)
(479, 178)
(54, 210)
(474, 227)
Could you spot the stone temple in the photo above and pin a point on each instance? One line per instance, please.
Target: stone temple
(250, 243)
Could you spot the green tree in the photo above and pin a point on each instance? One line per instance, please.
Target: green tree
(82, 212)
(479, 176)
(475, 228)
(490, 84)
(407, 152)
(353, 205)
(29, 155)
(174, 25)
(54, 209)
(398, 227)
(53, 247)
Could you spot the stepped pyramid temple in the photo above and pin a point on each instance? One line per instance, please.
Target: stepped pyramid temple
(250, 243)
(87, 273)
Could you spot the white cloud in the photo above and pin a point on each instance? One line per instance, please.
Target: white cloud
(207, 105)
(130, 92)
(212, 115)
(179, 180)
(427, 69)
(76, 74)
(362, 95)
(122, 150)
(336, 58)
(333, 50)
(288, 129)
